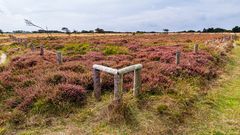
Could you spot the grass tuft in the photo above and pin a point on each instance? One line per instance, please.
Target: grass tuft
(113, 50)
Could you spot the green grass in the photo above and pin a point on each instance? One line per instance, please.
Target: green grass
(75, 48)
(113, 50)
(219, 111)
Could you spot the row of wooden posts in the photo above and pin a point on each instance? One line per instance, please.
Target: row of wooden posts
(222, 40)
(118, 74)
(59, 56)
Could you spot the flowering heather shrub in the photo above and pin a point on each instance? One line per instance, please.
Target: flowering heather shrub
(85, 80)
(13, 102)
(70, 93)
(57, 79)
(75, 67)
(31, 78)
(107, 81)
(155, 83)
(23, 63)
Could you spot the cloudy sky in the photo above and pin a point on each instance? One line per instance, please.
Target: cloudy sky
(120, 15)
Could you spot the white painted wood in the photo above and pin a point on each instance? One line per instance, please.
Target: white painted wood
(106, 69)
(118, 80)
(130, 69)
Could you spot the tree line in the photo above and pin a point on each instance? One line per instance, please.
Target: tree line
(66, 30)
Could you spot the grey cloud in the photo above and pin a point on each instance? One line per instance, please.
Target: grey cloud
(121, 15)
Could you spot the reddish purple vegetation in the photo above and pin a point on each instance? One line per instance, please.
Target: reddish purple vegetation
(31, 76)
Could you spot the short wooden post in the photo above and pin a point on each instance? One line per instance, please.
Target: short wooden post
(59, 57)
(32, 47)
(41, 50)
(97, 84)
(137, 82)
(118, 82)
(178, 53)
(196, 48)
(25, 44)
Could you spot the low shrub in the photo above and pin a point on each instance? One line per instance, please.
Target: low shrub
(43, 106)
(17, 118)
(56, 79)
(161, 109)
(112, 50)
(78, 68)
(70, 93)
(74, 48)
(27, 83)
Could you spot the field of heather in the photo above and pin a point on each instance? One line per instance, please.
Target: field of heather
(39, 95)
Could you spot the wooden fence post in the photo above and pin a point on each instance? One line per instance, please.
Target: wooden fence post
(32, 47)
(137, 82)
(41, 50)
(118, 84)
(59, 57)
(178, 53)
(97, 84)
(196, 48)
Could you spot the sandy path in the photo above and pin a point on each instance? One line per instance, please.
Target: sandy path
(3, 58)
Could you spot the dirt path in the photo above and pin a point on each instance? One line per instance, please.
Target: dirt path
(3, 58)
(219, 112)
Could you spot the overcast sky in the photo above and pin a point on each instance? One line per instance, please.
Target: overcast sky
(120, 15)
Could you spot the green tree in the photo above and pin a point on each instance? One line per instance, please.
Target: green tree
(98, 30)
(1, 32)
(66, 30)
(166, 31)
(236, 29)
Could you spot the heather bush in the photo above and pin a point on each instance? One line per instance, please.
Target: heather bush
(28, 83)
(37, 83)
(107, 81)
(84, 80)
(155, 83)
(75, 67)
(56, 79)
(13, 102)
(2, 68)
(70, 93)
